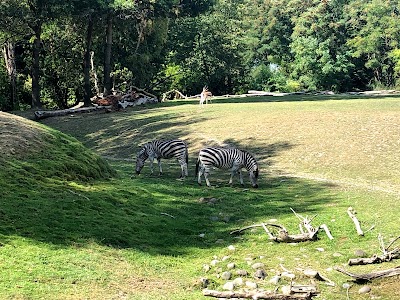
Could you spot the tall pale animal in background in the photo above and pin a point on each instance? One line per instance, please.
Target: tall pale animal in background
(205, 96)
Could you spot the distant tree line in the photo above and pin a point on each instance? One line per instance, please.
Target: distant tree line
(57, 53)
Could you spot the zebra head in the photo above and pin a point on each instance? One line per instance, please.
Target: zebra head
(252, 167)
(140, 159)
(254, 177)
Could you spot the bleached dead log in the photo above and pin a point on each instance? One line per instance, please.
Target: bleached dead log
(326, 229)
(176, 92)
(283, 235)
(352, 214)
(256, 295)
(371, 276)
(41, 114)
(308, 232)
(377, 259)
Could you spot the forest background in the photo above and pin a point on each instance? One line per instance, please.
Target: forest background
(58, 53)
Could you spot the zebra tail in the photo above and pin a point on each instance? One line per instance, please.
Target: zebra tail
(187, 156)
(197, 168)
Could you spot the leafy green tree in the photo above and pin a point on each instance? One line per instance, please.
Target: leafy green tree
(375, 37)
(10, 21)
(322, 58)
(207, 50)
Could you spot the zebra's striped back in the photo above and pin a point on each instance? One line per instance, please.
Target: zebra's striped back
(163, 149)
(227, 158)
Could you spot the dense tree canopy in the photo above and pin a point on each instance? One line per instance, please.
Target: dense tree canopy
(54, 50)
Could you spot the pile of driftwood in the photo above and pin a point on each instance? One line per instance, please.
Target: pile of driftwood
(108, 103)
(307, 231)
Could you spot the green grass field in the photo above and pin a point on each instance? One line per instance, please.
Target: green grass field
(76, 223)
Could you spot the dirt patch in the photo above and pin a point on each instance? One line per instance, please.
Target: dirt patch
(19, 136)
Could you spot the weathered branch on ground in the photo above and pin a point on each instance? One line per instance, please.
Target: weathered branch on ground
(352, 214)
(318, 276)
(135, 97)
(377, 259)
(41, 114)
(361, 278)
(326, 229)
(262, 294)
(308, 232)
(176, 92)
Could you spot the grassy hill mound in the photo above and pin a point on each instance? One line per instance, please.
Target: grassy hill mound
(31, 150)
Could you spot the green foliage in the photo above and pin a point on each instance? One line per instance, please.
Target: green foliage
(100, 239)
(335, 45)
(208, 51)
(375, 33)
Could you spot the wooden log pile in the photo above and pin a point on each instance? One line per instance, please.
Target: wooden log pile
(108, 103)
(307, 231)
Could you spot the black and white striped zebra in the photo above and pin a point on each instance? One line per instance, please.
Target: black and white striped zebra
(158, 149)
(226, 158)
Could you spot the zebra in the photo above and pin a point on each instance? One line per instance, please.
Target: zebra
(226, 158)
(163, 149)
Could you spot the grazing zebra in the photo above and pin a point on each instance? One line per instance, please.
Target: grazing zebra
(163, 149)
(226, 158)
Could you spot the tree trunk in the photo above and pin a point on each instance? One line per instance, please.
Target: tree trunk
(107, 55)
(36, 103)
(87, 90)
(9, 58)
(96, 84)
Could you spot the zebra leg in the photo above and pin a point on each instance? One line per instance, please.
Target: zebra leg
(159, 165)
(201, 171)
(206, 173)
(151, 158)
(235, 169)
(151, 165)
(241, 177)
(184, 169)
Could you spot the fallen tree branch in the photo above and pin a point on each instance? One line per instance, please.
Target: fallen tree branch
(392, 242)
(308, 232)
(256, 295)
(326, 229)
(377, 259)
(177, 93)
(361, 278)
(352, 214)
(283, 235)
(41, 114)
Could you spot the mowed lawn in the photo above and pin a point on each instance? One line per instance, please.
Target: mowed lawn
(149, 237)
